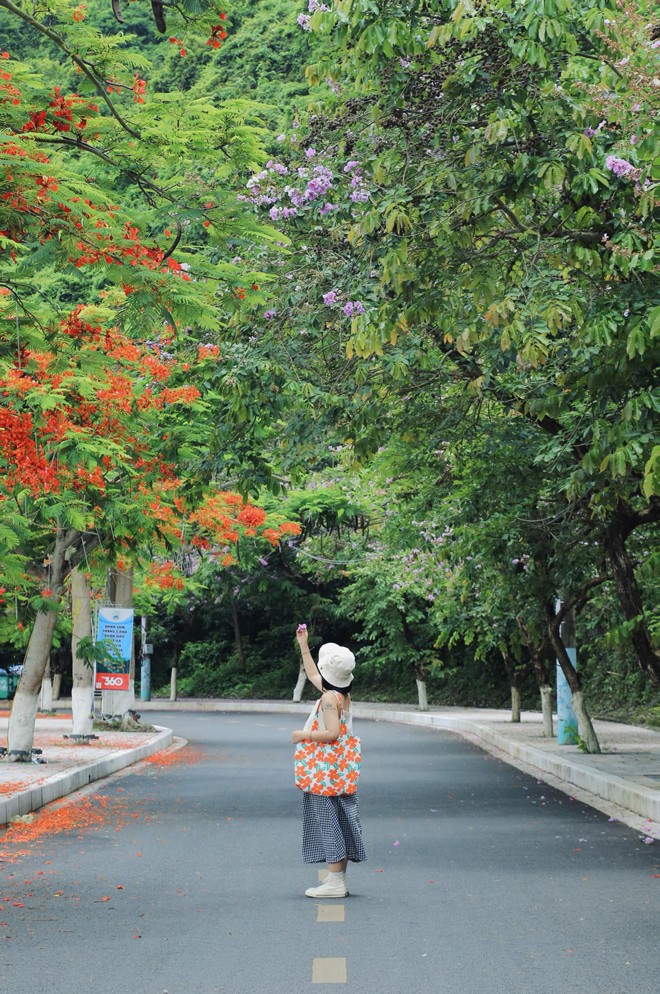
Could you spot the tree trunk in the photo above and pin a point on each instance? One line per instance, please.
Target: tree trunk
(82, 691)
(539, 654)
(516, 703)
(517, 676)
(46, 700)
(300, 684)
(586, 729)
(631, 601)
(57, 686)
(423, 703)
(20, 734)
(175, 663)
(546, 708)
(237, 631)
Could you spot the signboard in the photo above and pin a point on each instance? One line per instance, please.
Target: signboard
(115, 627)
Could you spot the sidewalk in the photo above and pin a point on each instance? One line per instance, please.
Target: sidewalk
(623, 782)
(24, 787)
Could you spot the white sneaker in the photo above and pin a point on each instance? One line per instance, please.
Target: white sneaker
(333, 886)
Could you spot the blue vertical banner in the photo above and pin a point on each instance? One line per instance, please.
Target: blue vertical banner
(567, 726)
(115, 626)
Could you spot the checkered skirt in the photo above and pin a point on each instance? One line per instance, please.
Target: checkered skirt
(331, 829)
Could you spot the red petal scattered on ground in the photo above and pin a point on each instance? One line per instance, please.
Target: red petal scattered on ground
(15, 787)
(87, 814)
(176, 757)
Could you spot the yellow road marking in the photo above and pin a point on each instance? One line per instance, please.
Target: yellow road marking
(329, 970)
(330, 913)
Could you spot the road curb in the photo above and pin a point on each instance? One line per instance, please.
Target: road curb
(67, 781)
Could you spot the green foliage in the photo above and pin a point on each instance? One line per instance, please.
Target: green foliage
(468, 440)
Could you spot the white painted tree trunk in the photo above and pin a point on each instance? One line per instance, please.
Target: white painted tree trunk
(82, 691)
(173, 684)
(423, 703)
(516, 703)
(546, 708)
(586, 730)
(20, 735)
(46, 699)
(57, 686)
(300, 684)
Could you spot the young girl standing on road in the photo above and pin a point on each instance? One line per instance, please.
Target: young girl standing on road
(332, 832)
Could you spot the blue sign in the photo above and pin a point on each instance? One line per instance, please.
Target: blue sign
(115, 626)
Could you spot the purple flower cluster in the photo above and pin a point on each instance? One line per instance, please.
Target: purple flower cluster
(303, 21)
(359, 194)
(592, 132)
(622, 168)
(282, 213)
(352, 307)
(315, 183)
(320, 183)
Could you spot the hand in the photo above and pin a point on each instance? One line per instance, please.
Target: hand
(301, 635)
(298, 736)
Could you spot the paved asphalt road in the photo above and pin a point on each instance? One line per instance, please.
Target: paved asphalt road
(480, 880)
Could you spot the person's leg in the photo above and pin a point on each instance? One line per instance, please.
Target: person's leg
(326, 823)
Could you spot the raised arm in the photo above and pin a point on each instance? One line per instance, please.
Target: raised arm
(311, 671)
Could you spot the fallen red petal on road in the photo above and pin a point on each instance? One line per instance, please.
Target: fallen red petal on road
(176, 757)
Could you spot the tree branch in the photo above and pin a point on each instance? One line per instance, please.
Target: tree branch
(82, 65)
(83, 146)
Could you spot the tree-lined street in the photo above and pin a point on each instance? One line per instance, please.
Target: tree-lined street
(340, 320)
(479, 878)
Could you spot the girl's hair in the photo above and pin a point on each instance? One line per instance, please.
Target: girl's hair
(340, 690)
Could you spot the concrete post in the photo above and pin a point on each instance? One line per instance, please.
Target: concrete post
(145, 669)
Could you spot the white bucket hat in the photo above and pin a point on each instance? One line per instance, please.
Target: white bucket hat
(336, 665)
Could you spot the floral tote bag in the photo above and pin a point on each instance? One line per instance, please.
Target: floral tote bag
(328, 768)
